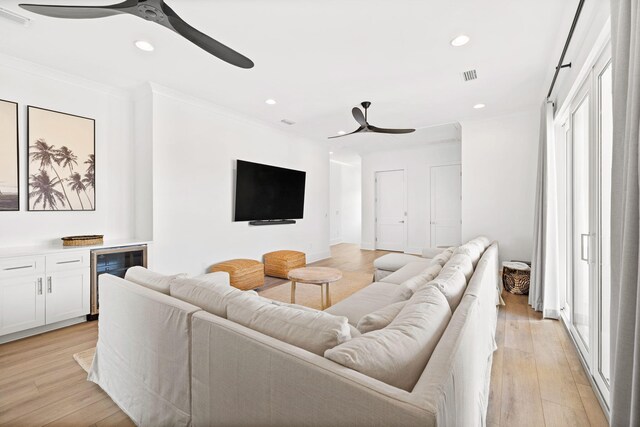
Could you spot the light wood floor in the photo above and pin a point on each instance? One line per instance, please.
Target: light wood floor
(537, 379)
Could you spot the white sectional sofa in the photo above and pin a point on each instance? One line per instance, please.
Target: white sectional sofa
(167, 362)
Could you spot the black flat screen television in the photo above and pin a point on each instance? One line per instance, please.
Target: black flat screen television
(266, 192)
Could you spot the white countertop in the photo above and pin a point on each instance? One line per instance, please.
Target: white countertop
(57, 247)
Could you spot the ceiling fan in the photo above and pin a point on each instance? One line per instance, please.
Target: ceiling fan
(366, 127)
(151, 10)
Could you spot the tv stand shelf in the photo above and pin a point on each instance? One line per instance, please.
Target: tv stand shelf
(273, 222)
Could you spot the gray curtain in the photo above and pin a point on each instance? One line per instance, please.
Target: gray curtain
(625, 215)
(543, 290)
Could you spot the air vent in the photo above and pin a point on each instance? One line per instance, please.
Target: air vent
(14, 17)
(288, 122)
(470, 75)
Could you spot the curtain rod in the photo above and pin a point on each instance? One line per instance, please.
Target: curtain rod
(566, 47)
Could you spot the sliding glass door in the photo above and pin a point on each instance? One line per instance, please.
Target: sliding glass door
(587, 132)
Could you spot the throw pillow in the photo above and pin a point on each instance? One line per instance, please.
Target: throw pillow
(452, 283)
(463, 263)
(380, 318)
(398, 354)
(407, 288)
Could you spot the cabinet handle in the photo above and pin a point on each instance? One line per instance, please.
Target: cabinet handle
(68, 262)
(39, 285)
(49, 287)
(19, 268)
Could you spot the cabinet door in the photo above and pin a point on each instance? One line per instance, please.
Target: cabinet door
(67, 294)
(22, 303)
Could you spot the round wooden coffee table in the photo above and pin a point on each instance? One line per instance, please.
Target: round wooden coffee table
(322, 276)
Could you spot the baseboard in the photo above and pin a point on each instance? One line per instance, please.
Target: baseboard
(368, 246)
(319, 256)
(41, 329)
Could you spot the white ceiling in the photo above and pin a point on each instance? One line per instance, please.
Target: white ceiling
(318, 59)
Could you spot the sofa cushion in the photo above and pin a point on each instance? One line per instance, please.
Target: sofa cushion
(398, 354)
(463, 263)
(442, 258)
(314, 331)
(152, 280)
(210, 296)
(221, 277)
(432, 252)
(484, 241)
(365, 301)
(407, 272)
(472, 249)
(380, 318)
(393, 262)
(407, 288)
(452, 283)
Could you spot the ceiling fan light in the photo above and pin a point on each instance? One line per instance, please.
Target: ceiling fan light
(144, 45)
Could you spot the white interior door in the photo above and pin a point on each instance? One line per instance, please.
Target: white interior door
(390, 211)
(446, 205)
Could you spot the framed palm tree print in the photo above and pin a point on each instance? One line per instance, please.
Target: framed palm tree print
(9, 186)
(61, 161)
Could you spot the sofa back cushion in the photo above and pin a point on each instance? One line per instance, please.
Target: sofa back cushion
(314, 331)
(408, 287)
(452, 284)
(208, 295)
(463, 263)
(149, 279)
(473, 249)
(398, 354)
(380, 318)
(443, 257)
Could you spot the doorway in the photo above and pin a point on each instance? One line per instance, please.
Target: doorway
(390, 210)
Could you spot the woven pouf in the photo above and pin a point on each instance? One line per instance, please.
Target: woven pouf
(516, 277)
(243, 273)
(279, 263)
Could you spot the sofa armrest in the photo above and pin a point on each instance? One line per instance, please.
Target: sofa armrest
(143, 351)
(431, 252)
(242, 377)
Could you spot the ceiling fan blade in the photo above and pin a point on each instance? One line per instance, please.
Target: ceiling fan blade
(357, 114)
(360, 129)
(392, 131)
(205, 42)
(71, 12)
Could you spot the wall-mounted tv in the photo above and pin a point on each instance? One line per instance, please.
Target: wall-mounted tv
(268, 193)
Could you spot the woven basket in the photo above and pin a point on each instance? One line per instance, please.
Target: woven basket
(97, 239)
(244, 274)
(516, 281)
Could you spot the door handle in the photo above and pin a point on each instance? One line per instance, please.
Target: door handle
(49, 287)
(584, 257)
(39, 285)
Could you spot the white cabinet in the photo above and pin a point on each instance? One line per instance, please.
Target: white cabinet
(42, 290)
(67, 294)
(22, 303)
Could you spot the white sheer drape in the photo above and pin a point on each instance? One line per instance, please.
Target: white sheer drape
(625, 215)
(544, 294)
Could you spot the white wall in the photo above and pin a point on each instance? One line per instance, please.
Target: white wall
(195, 145)
(30, 84)
(346, 202)
(417, 164)
(499, 163)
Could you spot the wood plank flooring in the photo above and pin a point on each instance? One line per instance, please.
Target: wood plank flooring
(536, 380)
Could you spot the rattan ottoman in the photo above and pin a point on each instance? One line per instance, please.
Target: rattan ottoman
(243, 273)
(279, 263)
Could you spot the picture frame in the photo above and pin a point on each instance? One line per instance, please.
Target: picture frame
(61, 161)
(9, 157)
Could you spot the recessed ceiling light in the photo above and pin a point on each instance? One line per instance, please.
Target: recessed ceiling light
(461, 40)
(144, 45)
(479, 106)
(341, 132)
(330, 152)
(271, 101)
